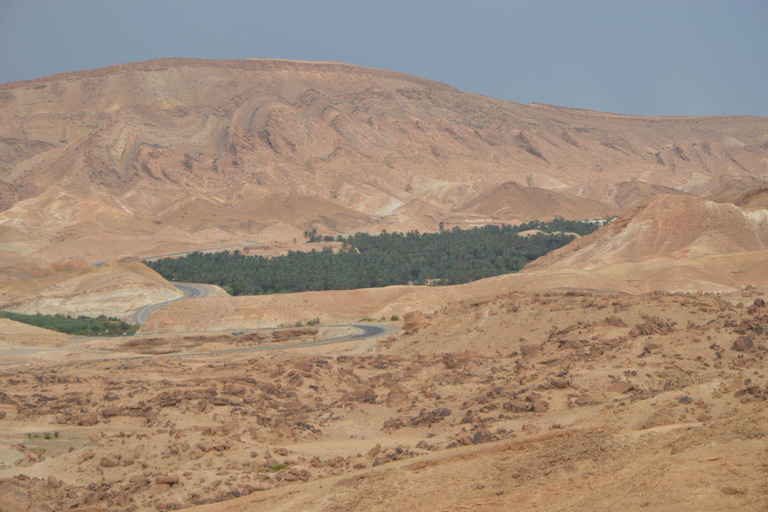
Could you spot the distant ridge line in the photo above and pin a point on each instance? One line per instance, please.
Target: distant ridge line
(241, 64)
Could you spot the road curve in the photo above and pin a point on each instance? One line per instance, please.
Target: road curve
(365, 331)
(191, 291)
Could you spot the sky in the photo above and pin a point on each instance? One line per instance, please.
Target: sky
(671, 57)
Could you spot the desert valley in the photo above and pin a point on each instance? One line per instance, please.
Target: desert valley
(621, 368)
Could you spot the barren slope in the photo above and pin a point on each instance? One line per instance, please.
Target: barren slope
(524, 401)
(674, 243)
(193, 151)
(511, 202)
(114, 289)
(16, 333)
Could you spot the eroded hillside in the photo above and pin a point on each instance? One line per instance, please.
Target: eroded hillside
(195, 153)
(525, 400)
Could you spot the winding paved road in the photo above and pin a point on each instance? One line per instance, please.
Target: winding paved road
(194, 291)
(191, 291)
(365, 331)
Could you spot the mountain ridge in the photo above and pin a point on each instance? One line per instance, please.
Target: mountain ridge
(401, 151)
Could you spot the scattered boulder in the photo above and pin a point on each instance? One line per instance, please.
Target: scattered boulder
(397, 397)
(743, 344)
(168, 503)
(539, 405)
(614, 321)
(516, 405)
(481, 437)
(300, 474)
(167, 479)
(414, 320)
(87, 419)
(373, 452)
(429, 418)
(529, 350)
(110, 461)
(621, 387)
(652, 325)
(13, 498)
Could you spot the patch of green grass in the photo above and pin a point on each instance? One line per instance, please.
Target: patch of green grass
(45, 435)
(278, 467)
(80, 326)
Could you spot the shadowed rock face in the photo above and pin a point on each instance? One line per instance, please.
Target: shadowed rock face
(196, 144)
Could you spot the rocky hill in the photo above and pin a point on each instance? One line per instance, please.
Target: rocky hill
(674, 243)
(198, 151)
(73, 288)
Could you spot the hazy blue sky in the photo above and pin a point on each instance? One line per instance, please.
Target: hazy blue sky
(644, 57)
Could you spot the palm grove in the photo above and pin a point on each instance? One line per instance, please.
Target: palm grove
(368, 261)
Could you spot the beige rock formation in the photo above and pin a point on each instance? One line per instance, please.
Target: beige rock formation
(160, 156)
(72, 288)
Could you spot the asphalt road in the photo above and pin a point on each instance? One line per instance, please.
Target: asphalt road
(194, 291)
(365, 331)
(191, 291)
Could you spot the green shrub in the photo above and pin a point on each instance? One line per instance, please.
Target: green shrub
(447, 257)
(80, 326)
(394, 318)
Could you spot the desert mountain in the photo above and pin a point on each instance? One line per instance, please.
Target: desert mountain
(675, 243)
(562, 387)
(202, 152)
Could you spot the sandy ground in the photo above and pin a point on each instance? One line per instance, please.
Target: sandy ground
(569, 386)
(538, 401)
